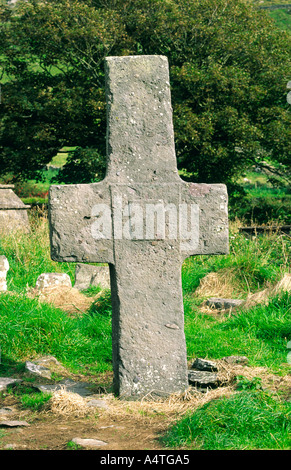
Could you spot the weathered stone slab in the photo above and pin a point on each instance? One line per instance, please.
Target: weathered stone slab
(83, 389)
(13, 212)
(202, 378)
(13, 424)
(204, 365)
(243, 360)
(143, 220)
(87, 275)
(4, 267)
(37, 370)
(46, 280)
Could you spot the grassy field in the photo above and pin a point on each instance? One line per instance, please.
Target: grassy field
(82, 342)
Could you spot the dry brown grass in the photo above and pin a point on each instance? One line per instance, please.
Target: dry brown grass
(68, 299)
(64, 403)
(218, 284)
(263, 296)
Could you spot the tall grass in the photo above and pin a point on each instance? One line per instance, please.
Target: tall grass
(29, 255)
(29, 329)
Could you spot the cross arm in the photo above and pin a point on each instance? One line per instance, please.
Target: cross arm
(208, 221)
(75, 214)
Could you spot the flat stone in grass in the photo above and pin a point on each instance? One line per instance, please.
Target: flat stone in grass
(38, 370)
(13, 212)
(202, 379)
(83, 389)
(46, 280)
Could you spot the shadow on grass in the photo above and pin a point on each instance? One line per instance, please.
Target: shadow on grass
(9, 367)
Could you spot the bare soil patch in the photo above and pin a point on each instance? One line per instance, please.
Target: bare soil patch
(123, 425)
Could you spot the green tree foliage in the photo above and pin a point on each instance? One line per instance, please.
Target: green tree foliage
(229, 68)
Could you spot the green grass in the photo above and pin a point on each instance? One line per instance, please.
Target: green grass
(29, 329)
(29, 256)
(282, 18)
(29, 398)
(260, 333)
(248, 420)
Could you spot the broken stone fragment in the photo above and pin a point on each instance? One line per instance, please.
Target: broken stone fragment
(46, 280)
(6, 381)
(236, 359)
(202, 378)
(204, 365)
(96, 403)
(13, 424)
(225, 304)
(38, 370)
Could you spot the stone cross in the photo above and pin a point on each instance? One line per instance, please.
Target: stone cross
(143, 220)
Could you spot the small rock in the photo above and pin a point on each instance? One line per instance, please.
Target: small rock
(13, 424)
(5, 381)
(38, 370)
(88, 442)
(224, 303)
(204, 365)
(202, 378)
(53, 279)
(235, 359)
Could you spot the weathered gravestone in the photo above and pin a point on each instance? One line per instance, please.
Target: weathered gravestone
(144, 221)
(13, 212)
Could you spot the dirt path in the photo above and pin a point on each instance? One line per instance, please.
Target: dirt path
(55, 433)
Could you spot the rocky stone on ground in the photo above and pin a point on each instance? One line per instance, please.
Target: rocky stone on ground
(204, 365)
(6, 411)
(6, 381)
(83, 389)
(38, 370)
(200, 378)
(236, 360)
(13, 424)
(45, 280)
(44, 366)
(88, 442)
(225, 304)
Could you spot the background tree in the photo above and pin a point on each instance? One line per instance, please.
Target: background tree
(229, 68)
